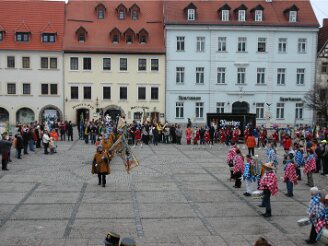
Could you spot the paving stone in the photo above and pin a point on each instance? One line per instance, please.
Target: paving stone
(53, 197)
(165, 210)
(11, 198)
(91, 210)
(160, 197)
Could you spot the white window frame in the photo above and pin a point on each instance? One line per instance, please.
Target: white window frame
(221, 75)
(220, 107)
(110, 64)
(225, 15)
(179, 110)
(191, 16)
(299, 110)
(90, 64)
(222, 44)
(301, 46)
(259, 110)
(282, 45)
(242, 44)
(70, 92)
(242, 15)
(199, 110)
(241, 75)
(110, 88)
(280, 111)
(70, 63)
(180, 75)
(300, 76)
(180, 43)
(145, 89)
(261, 42)
(281, 76)
(292, 16)
(258, 15)
(200, 47)
(29, 84)
(151, 98)
(260, 76)
(200, 75)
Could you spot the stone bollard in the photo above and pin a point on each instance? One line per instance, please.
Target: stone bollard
(112, 239)
(127, 242)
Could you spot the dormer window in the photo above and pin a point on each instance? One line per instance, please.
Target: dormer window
(143, 36)
(241, 15)
(22, 36)
(292, 16)
(134, 10)
(121, 11)
(129, 36)
(48, 37)
(121, 15)
(129, 39)
(100, 10)
(115, 36)
(258, 15)
(224, 12)
(191, 14)
(81, 34)
(1, 35)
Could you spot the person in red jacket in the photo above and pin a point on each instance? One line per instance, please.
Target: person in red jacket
(275, 138)
(137, 137)
(287, 143)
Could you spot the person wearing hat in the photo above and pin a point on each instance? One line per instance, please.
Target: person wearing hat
(238, 168)
(269, 185)
(100, 165)
(105, 143)
(322, 217)
(290, 177)
(271, 155)
(112, 239)
(313, 211)
(310, 167)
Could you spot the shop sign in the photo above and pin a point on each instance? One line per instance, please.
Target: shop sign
(290, 99)
(189, 98)
(83, 105)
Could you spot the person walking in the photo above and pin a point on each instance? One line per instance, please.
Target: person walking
(100, 165)
(251, 144)
(70, 131)
(45, 141)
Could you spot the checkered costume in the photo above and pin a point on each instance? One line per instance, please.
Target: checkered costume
(322, 220)
(290, 173)
(299, 158)
(269, 181)
(238, 164)
(314, 209)
(310, 165)
(272, 156)
(231, 154)
(247, 172)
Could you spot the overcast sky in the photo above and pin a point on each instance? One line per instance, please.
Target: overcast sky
(320, 8)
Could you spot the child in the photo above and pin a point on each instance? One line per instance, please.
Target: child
(52, 145)
(249, 175)
(310, 167)
(290, 176)
(238, 168)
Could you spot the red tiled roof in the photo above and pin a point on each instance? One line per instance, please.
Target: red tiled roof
(322, 37)
(82, 13)
(273, 13)
(34, 17)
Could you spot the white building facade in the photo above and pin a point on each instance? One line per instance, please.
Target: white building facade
(213, 68)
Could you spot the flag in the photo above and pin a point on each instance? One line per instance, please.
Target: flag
(8, 128)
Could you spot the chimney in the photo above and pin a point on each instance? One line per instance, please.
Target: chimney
(325, 22)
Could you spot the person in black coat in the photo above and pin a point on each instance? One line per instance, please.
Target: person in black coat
(5, 146)
(70, 131)
(19, 144)
(26, 138)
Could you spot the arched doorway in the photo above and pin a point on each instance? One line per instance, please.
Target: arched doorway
(240, 108)
(50, 114)
(25, 116)
(82, 114)
(113, 111)
(4, 119)
(154, 117)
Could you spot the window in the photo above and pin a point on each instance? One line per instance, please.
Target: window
(10, 62)
(26, 62)
(179, 110)
(180, 43)
(142, 64)
(87, 92)
(300, 76)
(129, 39)
(53, 63)
(121, 14)
(123, 93)
(258, 15)
(260, 76)
(86, 63)
(282, 46)
(292, 16)
(141, 93)
(134, 15)
(154, 93)
(200, 44)
(22, 36)
(199, 75)
(281, 76)
(301, 45)
(26, 89)
(242, 44)
(280, 113)
(115, 39)
(199, 109)
(241, 74)
(123, 64)
(299, 111)
(44, 89)
(324, 67)
(74, 92)
(44, 63)
(106, 64)
(53, 89)
(48, 37)
(1, 35)
(107, 92)
(180, 75)
(74, 63)
(154, 65)
(220, 107)
(101, 13)
(81, 37)
(143, 39)
(261, 45)
(225, 15)
(191, 14)
(259, 110)
(11, 88)
(241, 15)
(221, 75)
(137, 115)
(222, 44)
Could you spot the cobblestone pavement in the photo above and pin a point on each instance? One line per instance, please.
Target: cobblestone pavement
(179, 195)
